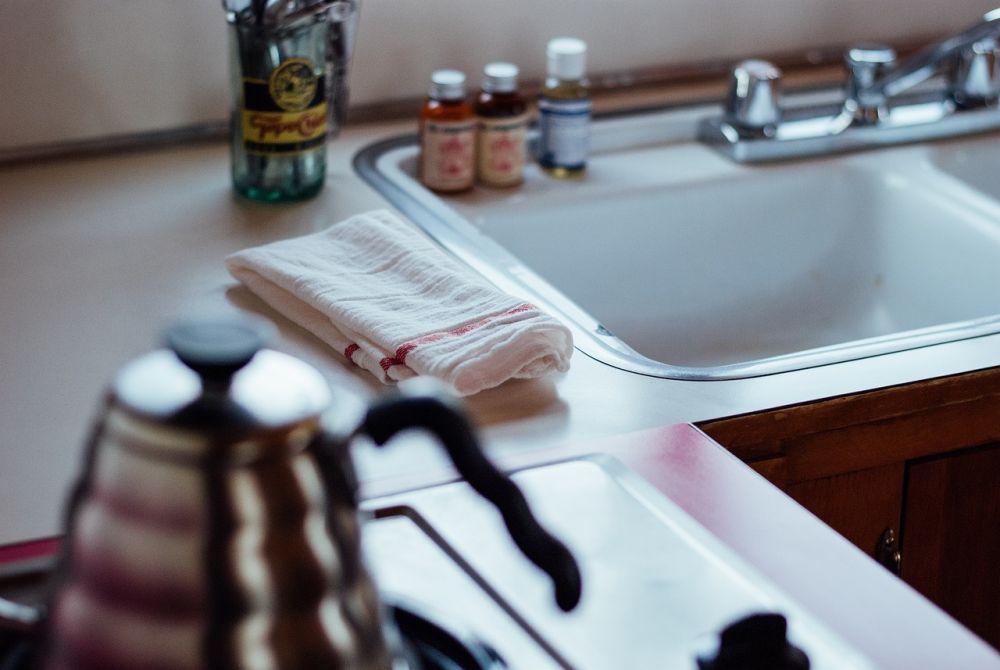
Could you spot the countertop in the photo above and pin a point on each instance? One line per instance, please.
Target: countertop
(98, 254)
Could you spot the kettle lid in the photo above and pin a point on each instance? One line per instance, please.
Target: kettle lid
(216, 376)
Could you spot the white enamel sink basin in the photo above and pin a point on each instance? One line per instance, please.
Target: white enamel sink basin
(975, 162)
(669, 260)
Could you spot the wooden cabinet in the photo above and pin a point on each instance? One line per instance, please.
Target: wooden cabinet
(922, 460)
(951, 536)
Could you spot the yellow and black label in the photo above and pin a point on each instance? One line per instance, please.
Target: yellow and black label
(288, 132)
(287, 113)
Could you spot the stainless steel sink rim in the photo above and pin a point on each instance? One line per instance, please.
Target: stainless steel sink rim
(456, 234)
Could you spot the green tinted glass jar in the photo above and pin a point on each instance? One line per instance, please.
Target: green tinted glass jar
(278, 124)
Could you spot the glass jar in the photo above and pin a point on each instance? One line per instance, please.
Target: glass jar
(279, 119)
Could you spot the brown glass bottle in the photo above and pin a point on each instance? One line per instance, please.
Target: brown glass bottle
(447, 135)
(501, 127)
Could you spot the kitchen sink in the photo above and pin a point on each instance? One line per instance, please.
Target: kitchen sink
(670, 260)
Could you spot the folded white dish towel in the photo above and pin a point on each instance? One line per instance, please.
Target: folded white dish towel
(392, 302)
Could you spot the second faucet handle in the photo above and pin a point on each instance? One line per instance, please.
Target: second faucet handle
(975, 79)
(754, 99)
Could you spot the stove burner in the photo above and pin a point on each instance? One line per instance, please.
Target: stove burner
(435, 647)
(15, 652)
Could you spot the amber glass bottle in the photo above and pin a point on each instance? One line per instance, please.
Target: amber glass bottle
(447, 135)
(501, 127)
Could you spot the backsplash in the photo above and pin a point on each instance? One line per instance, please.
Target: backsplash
(77, 70)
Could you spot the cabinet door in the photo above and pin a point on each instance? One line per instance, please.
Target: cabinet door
(859, 505)
(951, 536)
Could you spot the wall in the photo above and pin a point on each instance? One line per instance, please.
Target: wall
(74, 69)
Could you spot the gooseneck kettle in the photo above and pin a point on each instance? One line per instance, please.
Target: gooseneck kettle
(215, 522)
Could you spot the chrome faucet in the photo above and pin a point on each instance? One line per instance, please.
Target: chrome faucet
(883, 102)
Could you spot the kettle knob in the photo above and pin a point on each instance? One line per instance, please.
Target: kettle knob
(217, 348)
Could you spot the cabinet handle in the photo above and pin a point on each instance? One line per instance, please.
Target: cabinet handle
(887, 552)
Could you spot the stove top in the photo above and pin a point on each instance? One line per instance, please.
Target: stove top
(658, 588)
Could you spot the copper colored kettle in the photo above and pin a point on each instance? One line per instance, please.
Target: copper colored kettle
(215, 522)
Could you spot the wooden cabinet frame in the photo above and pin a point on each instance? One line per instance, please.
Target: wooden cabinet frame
(885, 459)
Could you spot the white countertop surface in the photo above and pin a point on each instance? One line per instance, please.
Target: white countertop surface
(98, 254)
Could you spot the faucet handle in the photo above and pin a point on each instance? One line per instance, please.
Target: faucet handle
(866, 64)
(975, 79)
(753, 102)
(867, 61)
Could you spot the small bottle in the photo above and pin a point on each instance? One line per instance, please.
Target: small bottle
(564, 109)
(447, 135)
(501, 127)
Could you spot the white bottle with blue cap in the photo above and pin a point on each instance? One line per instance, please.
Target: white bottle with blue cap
(564, 108)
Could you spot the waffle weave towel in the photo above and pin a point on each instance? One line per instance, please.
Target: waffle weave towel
(395, 304)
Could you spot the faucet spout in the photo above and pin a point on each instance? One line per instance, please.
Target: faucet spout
(927, 62)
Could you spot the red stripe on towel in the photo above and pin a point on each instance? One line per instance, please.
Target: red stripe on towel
(349, 352)
(404, 349)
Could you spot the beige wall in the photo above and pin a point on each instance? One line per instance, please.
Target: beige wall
(76, 69)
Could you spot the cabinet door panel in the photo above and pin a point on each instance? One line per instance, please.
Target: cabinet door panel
(951, 536)
(858, 505)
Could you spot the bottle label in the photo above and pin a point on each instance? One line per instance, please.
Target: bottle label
(447, 154)
(287, 114)
(500, 149)
(564, 132)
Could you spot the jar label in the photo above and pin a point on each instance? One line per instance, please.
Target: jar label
(500, 149)
(564, 132)
(447, 151)
(287, 114)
